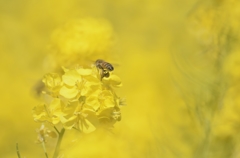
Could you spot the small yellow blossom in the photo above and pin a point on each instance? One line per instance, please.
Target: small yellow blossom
(52, 82)
(79, 99)
(49, 112)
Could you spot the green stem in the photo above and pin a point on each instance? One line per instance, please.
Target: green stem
(18, 153)
(61, 133)
(44, 148)
(56, 130)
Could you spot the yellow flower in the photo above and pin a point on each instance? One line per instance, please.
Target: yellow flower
(83, 119)
(83, 36)
(80, 41)
(52, 82)
(79, 82)
(50, 111)
(81, 100)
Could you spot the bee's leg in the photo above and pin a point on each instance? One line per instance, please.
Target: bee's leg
(101, 74)
(106, 73)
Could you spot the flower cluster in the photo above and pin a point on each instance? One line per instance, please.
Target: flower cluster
(80, 41)
(79, 99)
(83, 36)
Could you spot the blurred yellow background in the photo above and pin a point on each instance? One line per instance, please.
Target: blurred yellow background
(178, 61)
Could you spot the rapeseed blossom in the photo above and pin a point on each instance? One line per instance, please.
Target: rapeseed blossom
(79, 99)
(80, 41)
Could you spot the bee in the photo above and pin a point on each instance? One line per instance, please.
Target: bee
(38, 88)
(104, 68)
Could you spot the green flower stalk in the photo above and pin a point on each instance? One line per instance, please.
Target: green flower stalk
(79, 99)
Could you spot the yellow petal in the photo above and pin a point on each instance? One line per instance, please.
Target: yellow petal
(90, 88)
(71, 108)
(71, 77)
(92, 79)
(55, 106)
(109, 102)
(40, 113)
(68, 123)
(113, 80)
(107, 99)
(90, 122)
(86, 126)
(93, 102)
(84, 72)
(106, 113)
(52, 80)
(68, 93)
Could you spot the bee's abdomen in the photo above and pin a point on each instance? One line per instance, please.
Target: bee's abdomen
(109, 67)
